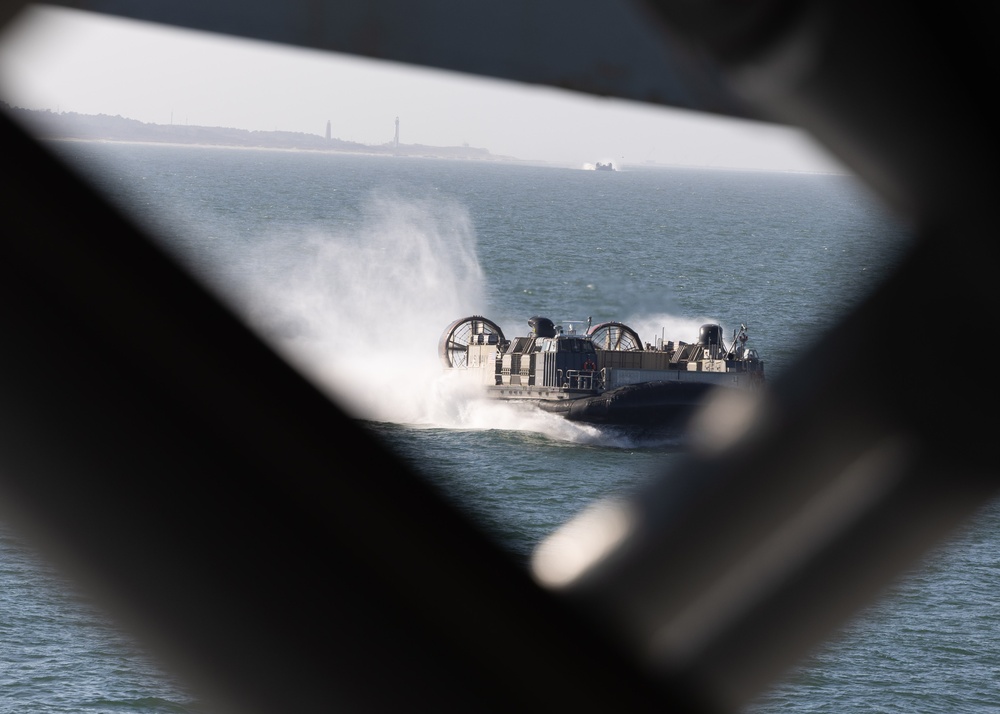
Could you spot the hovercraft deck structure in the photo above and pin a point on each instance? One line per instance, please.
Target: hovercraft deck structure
(601, 374)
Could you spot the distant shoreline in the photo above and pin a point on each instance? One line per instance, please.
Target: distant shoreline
(252, 147)
(71, 126)
(415, 155)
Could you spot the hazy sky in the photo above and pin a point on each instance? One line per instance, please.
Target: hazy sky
(69, 61)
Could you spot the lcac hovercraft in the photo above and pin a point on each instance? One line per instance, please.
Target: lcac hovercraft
(601, 374)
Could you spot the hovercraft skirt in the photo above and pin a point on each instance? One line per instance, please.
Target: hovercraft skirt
(661, 402)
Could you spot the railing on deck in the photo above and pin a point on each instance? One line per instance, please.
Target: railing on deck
(580, 378)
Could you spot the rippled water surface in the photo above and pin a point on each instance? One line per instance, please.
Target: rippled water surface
(352, 266)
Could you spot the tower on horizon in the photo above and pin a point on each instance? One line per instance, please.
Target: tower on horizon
(395, 140)
(328, 129)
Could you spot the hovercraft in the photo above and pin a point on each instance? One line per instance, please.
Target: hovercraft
(601, 374)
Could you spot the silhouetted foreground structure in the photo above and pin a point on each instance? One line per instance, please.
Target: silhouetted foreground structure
(211, 496)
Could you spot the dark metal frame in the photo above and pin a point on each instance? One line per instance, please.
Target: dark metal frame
(280, 559)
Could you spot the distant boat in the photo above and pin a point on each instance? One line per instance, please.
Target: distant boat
(604, 167)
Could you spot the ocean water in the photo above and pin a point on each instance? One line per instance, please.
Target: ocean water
(330, 257)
